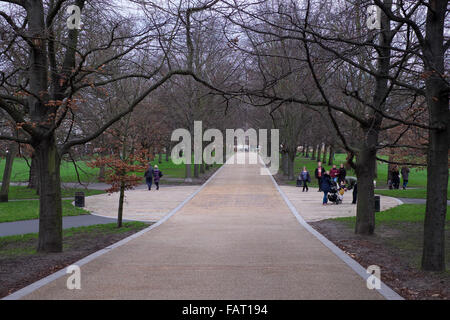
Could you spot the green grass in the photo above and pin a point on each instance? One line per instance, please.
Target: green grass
(20, 172)
(29, 209)
(401, 213)
(26, 244)
(21, 192)
(420, 193)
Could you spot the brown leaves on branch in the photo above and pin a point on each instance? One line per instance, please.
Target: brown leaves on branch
(120, 171)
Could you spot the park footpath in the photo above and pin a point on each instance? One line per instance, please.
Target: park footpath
(237, 237)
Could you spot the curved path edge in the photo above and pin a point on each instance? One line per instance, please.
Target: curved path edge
(50, 278)
(385, 290)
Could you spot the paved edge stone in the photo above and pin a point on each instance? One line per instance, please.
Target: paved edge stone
(44, 281)
(385, 290)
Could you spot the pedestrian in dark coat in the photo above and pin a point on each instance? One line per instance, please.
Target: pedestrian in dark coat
(405, 176)
(305, 178)
(325, 186)
(157, 174)
(149, 176)
(395, 177)
(342, 174)
(318, 173)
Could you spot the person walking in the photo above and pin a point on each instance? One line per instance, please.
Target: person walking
(157, 174)
(405, 176)
(395, 177)
(352, 184)
(334, 172)
(149, 176)
(318, 173)
(342, 174)
(306, 178)
(325, 186)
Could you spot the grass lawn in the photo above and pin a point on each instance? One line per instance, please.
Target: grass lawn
(401, 228)
(29, 209)
(26, 243)
(403, 213)
(20, 170)
(420, 193)
(21, 192)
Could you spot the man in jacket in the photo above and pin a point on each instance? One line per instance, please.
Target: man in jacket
(318, 173)
(342, 174)
(149, 176)
(405, 176)
(325, 186)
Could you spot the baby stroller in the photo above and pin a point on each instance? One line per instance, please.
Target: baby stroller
(334, 195)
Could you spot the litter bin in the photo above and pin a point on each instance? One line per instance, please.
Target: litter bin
(79, 199)
(377, 203)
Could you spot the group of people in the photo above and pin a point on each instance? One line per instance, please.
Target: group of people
(152, 174)
(394, 177)
(326, 178)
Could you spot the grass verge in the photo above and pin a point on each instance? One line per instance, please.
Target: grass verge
(29, 209)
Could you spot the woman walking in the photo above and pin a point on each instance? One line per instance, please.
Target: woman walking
(156, 176)
(306, 178)
(325, 186)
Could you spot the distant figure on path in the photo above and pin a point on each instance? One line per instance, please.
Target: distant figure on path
(334, 172)
(325, 186)
(306, 178)
(156, 176)
(395, 177)
(318, 173)
(149, 176)
(342, 174)
(405, 176)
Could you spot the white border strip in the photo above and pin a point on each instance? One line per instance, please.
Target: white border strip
(44, 281)
(385, 291)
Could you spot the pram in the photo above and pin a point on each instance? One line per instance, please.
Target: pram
(335, 195)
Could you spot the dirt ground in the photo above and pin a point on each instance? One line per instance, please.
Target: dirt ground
(396, 248)
(19, 270)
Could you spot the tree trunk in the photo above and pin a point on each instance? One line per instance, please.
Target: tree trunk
(50, 210)
(307, 152)
(196, 171)
(365, 207)
(33, 179)
(121, 199)
(433, 258)
(324, 157)
(160, 157)
(319, 152)
(101, 174)
(285, 163)
(188, 173)
(291, 164)
(313, 156)
(202, 168)
(331, 156)
(12, 152)
(167, 153)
